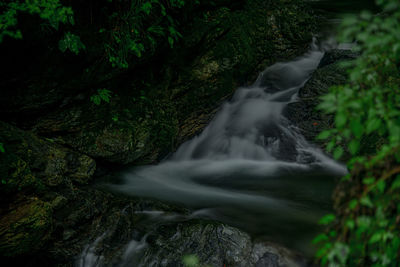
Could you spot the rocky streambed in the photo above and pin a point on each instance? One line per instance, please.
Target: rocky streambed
(162, 235)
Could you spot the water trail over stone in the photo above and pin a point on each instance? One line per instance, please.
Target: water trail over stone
(250, 167)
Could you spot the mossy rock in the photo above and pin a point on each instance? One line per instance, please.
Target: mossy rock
(48, 161)
(129, 128)
(16, 176)
(25, 228)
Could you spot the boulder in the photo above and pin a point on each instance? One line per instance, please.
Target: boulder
(26, 228)
(213, 244)
(303, 113)
(174, 243)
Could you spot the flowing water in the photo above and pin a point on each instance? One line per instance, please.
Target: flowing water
(250, 167)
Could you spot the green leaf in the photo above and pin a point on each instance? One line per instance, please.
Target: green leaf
(324, 135)
(327, 219)
(2, 150)
(366, 201)
(337, 154)
(373, 125)
(354, 146)
(357, 128)
(330, 145)
(366, 15)
(369, 180)
(396, 183)
(350, 224)
(364, 222)
(353, 204)
(376, 237)
(320, 238)
(322, 251)
(340, 119)
(146, 8)
(381, 185)
(62, 45)
(105, 95)
(72, 42)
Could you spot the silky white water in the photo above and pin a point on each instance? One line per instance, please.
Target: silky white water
(250, 167)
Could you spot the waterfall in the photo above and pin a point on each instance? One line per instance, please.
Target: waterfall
(250, 167)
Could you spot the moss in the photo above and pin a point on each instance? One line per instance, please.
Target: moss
(16, 176)
(26, 228)
(53, 165)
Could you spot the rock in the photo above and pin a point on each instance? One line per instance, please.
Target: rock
(31, 169)
(50, 162)
(210, 244)
(304, 112)
(25, 228)
(213, 244)
(336, 55)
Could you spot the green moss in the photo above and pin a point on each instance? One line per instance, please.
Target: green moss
(26, 228)
(17, 176)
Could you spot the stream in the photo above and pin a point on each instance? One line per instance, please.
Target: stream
(250, 168)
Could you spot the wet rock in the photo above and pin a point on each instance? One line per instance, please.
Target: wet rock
(213, 244)
(168, 243)
(337, 55)
(304, 112)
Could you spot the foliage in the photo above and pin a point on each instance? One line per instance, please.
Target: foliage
(135, 27)
(71, 42)
(367, 113)
(102, 94)
(140, 29)
(51, 11)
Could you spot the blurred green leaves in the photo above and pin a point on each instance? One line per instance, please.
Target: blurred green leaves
(102, 95)
(71, 42)
(367, 114)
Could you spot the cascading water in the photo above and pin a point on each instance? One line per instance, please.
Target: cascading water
(250, 168)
